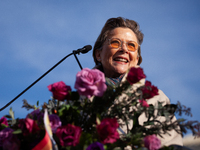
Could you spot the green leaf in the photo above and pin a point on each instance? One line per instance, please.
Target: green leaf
(181, 120)
(62, 109)
(68, 148)
(148, 123)
(3, 126)
(37, 103)
(98, 121)
(105, 147)
(117, 148)
(13, 121)
(142, 148)
(171, 108)
(18, 131)
(11, 113)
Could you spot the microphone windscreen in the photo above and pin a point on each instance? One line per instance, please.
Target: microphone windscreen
(86, 49)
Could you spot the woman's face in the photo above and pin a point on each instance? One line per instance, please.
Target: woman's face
(117, 61)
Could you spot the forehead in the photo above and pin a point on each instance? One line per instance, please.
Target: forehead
(122, 33)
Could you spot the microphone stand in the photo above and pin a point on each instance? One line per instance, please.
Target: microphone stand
(74, 52)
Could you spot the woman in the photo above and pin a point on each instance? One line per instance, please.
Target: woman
(116, 50)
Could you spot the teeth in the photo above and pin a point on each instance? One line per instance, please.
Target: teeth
(121, 59)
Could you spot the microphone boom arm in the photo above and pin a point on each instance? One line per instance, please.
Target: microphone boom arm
(35, 82)
(85, 49)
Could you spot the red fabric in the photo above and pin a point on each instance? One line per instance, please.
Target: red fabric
(44, 144)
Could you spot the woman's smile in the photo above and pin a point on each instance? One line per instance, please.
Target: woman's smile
(120, 60)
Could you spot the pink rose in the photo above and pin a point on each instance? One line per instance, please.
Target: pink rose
(60, 90)
(107, 130)
(68, 135)
(90, 82)
(152, 142)
(135, 75)
(54, 122)
(144, 103)
(28, 126)
(149, 90)
(8, 140)
(3, 120)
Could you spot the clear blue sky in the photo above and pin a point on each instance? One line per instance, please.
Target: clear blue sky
(34, 35)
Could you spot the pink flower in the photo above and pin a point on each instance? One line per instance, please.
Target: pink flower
(3, 120)
(107, 130)
(28, 126)
(135, 75)
(68, 135)
(149, 90)
(144, 103)
(8, 140)
(54, 122)
(90, 82)
(60, 90)
(152, 142)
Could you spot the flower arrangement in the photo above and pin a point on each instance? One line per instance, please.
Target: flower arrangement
(91, 118)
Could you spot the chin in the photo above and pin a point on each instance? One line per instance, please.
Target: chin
(114, 71)
(120, 72)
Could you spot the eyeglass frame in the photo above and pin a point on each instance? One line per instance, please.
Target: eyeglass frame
(122, 43)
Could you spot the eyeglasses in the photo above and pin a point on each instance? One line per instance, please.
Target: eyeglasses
(117, 43)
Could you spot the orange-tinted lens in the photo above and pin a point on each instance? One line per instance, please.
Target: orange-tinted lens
(115, 43)
(132, 46)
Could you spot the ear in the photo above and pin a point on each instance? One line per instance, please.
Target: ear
(98, 55)
(137, 59)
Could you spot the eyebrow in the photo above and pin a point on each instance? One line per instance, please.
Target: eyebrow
(122, 40)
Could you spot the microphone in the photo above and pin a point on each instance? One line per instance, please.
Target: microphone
(83, 50)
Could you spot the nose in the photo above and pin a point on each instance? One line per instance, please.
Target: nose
(124, 47)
